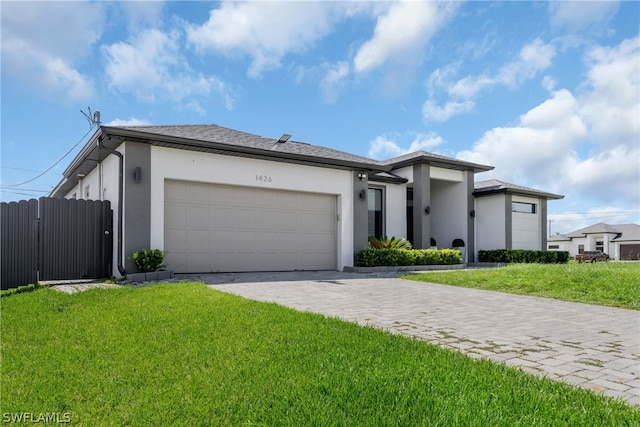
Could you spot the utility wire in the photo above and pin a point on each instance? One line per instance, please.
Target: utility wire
(55, 164)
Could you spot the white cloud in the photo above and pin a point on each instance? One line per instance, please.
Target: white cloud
(402, 33)
(152, 68)
(128, 122)
(42, 53)
(583, 145)
(384, 148)
(611, 101)
(434, 113)
(532, 59)
(573, 16)
(333, 81)
(265, 31)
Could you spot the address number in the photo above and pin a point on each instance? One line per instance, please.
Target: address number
(263, 178)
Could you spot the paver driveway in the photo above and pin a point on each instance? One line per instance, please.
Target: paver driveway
(584, 345)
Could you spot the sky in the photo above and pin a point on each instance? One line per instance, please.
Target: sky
(546, 92)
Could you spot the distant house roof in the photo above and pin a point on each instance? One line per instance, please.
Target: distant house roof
(435, 160)
(559, 238)
(623, 232)
(493, 186)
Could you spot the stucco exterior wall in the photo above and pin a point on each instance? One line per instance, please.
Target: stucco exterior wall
(526, 227)
(213, 168)
(396, 210)
(490, 222)
(449, 212)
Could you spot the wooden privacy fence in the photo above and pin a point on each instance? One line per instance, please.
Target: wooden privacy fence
(55, 239)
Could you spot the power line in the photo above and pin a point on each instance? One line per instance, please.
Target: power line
(586, 219)
(55, 164)
(629, 212)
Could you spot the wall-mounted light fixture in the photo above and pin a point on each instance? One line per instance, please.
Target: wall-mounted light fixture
(363, 194)
(137, 174)
(472, 213)
(427, 210)
(362, 176)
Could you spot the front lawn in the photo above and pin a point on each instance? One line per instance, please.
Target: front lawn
(614, 284)
(184, 354)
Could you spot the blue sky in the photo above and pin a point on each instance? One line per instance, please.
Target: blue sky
(547, 92)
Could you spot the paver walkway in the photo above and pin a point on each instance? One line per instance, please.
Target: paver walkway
(588, 346)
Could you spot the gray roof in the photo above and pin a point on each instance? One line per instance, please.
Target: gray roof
(235, 140)
(624, 232)
(436, 160)
(492, 186)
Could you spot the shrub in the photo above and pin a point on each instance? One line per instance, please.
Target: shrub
(148, 260)
(402, 257)
(385, 243)
(523, 256)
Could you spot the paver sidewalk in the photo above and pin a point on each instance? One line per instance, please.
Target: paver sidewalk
(587, 346)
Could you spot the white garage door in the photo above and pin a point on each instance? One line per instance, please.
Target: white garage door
(211, 228)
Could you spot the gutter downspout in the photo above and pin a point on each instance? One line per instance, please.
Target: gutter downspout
(120, 200)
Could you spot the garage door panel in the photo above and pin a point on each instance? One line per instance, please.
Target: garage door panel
(246, 241)
(245, 218)
(199, 216)
(198, 240)
(223, 217)
(175, 191)
(630, 252)
(198, 193)
(224, 239)
(211, 227)
(175, 215)
(177, 261)
(178, 239)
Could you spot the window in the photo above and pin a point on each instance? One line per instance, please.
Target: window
(87, 192)
(599, 245)
(554, 246)
(580, 249)
(523, 207)
(376, 225)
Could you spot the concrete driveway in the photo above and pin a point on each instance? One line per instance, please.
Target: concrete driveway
(587, 346)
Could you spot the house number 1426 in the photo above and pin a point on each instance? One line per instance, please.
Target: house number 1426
(263, 178)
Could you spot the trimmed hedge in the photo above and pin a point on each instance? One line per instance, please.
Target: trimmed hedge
(402, 257)
(523, 256)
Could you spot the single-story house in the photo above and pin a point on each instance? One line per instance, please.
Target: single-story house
(218, 199)
(619, 241)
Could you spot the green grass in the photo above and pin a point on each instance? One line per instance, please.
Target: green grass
(613, 284)
(184, 354)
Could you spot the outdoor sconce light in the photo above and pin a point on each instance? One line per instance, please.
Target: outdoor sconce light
(137, 174)
(362, 176)
(427, 210)
(363, 194)
(472, 213)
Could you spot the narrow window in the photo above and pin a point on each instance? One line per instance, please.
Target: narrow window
(580, 249)
(521, 207)
(374, 199)
(600, 245)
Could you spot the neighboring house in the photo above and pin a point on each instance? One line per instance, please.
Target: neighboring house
(217, 199)
(619, 241)
(511, 216)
